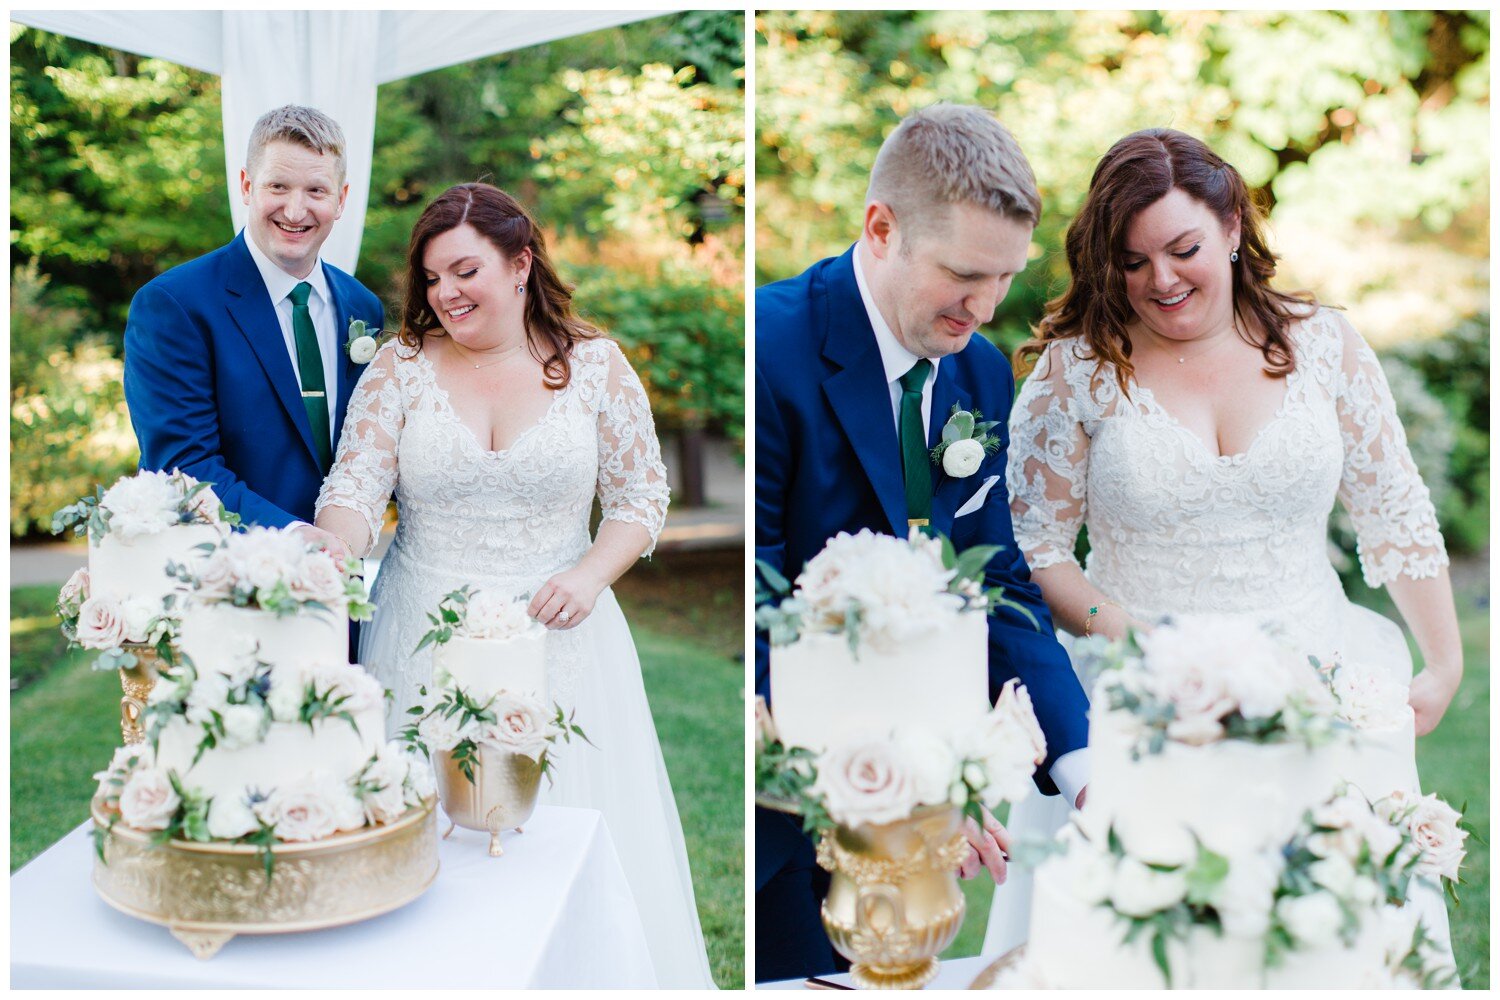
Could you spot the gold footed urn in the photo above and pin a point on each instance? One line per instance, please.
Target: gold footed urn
(137, 682)
(894, 902)
(206, 893)
(502, 795)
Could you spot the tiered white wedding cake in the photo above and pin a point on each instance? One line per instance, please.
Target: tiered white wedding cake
(265, 732)
(1220, 845)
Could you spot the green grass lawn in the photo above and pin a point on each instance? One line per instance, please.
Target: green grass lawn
(64, 726)
(1454, 763)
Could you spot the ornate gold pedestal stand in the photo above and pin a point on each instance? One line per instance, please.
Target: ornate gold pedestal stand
(137, 682)
(205, 894)
(894, 902)
(502, 795)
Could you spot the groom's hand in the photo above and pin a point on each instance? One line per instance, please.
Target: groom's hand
(989, 848)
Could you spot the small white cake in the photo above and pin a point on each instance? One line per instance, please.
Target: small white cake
(484, 667)
(137, 567)
(825, 695)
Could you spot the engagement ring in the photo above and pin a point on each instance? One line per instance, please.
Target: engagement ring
(563, 617)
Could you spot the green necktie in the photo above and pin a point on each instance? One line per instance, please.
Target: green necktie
(916, 466)
(310, 369)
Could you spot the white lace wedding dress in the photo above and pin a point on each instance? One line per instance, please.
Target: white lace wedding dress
(1175, 528)
(506, 522)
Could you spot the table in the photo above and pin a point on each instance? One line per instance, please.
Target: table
(953, 974)
(555, 910)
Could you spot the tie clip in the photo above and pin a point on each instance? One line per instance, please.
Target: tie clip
(917, 522)
(318, 394)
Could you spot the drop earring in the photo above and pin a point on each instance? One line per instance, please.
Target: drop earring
(520, 287)
(1234, 256)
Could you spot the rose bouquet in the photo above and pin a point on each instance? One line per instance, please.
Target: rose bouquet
(1200, 679)
(878, 589)
(146, 503)
(274, 570)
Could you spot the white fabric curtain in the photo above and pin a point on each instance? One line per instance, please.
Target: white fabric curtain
(330, 60)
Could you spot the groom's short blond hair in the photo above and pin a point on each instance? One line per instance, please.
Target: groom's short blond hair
(951, 154)
(305, 127)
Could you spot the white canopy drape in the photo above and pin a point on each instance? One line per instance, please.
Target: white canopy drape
(330, 60)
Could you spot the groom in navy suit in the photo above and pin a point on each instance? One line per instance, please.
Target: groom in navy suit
(859, 361)
(236, 370)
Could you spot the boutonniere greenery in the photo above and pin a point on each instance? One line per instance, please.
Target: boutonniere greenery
(361, 343)
(966, 440)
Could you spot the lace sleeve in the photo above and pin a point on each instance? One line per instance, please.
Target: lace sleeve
(364, 471)
(1383, 491)
(1048, 466)
(632, 479)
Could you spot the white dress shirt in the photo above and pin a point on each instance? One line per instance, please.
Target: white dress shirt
(1070, 772)
(279, 286)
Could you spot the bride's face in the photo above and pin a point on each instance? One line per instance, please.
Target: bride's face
(1178, 277)
(471, 287)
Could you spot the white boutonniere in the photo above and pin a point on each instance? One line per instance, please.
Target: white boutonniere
(361, 344)
(966, 440)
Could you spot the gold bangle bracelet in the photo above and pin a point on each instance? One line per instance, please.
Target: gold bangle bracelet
(1088, 623)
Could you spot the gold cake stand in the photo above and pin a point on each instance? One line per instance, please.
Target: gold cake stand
(986, 979)
(205, 894)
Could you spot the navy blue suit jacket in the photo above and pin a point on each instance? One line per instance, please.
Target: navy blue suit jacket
(827, 460)
(212, 391)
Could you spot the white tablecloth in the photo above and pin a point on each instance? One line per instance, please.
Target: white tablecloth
(953, 974)
(555, 910)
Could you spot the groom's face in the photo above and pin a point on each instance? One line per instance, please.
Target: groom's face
(295, 196)
(940, 280)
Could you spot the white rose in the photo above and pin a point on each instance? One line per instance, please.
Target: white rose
(387, 773)
(240, 659)
(442, 732)
(122, 765)
(148, 800)
(143, 504)
(932, 765)
(101, 624)
(1009, 740)
(138, 614)
(361, 691)
(1334, 873)
(963, 458)
(1091, 874)
(1434, 828)
(215, 576)
(521, 726)
(243, 725)
(317, 577)
(1139, 891)
(362, 350)
(76, 590)
(229, 818)
(1312, 920)
(1244, 899)
(1156, 842)
(1368, 699)
(490, 616)
(288, 690)
(865, 782)
(209, 694)
(421, 783)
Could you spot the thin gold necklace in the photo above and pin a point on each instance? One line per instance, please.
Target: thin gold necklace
(499, 358)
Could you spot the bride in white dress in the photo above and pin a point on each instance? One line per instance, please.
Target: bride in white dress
(496, 417)
(1204, 456)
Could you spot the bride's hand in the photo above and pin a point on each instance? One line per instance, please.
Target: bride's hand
(1429, 697)
(566, 599)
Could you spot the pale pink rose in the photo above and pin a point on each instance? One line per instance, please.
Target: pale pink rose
(317, 578)
(308, 808)
(101, 624)
(148, 800)
(215, 577)
(1435, 830)
(126, 761)
(521, 726)
(866, 783)
(346, 680)
(76, 590)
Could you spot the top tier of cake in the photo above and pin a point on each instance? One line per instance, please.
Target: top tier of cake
(136, 566)
(825, 695)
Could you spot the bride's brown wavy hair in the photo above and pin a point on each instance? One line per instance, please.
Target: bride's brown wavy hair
(551, 327)
(1138, 171)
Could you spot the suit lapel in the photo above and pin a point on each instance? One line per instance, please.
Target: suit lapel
(859, 393)
(254, 316)
(348, 371)
(945, 393)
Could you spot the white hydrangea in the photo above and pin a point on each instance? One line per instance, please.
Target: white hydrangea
(143, 504)
(899, 586)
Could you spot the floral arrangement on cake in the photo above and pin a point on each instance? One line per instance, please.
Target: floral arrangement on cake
(509, 722)
(1368, 700)
(889, 776)
(877, 589)
(472, 614)
(1347, 864)
(236, 709)
(145, 504)
(108, 626)
(273, 570)
(1205, 678)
